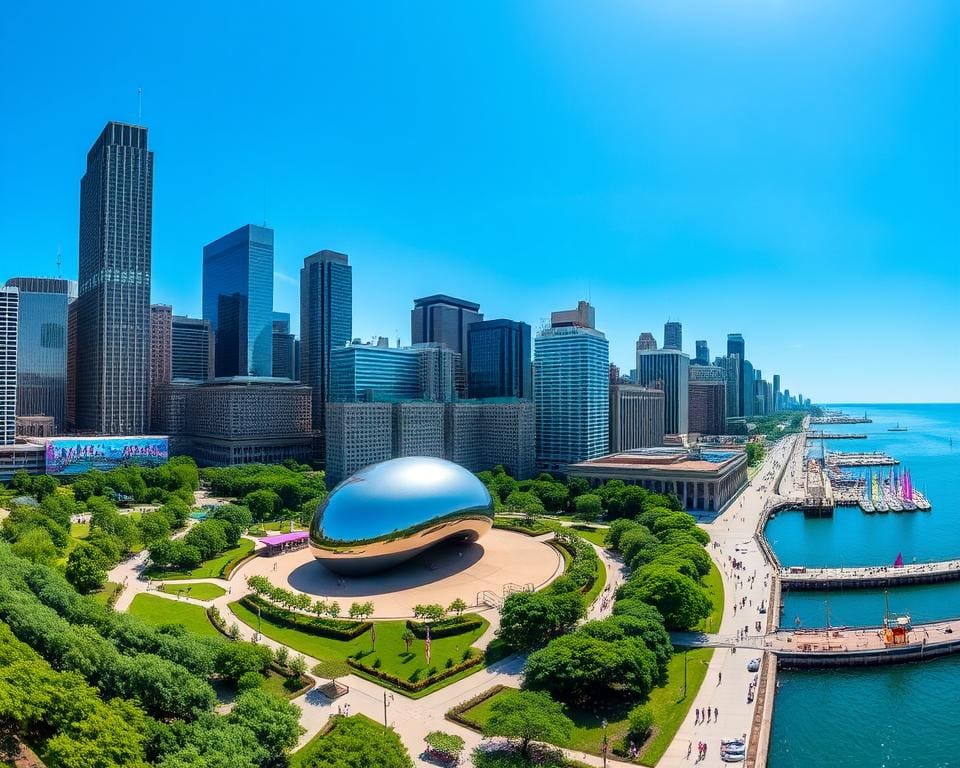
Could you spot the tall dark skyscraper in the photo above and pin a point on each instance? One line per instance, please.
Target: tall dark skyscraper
(499, 359)
(9, 310)
(668, 370)
(238, 301)
(776, 392)
(443, 319)
(284, 354)
(192, 348)
(113, 308)
(42, 346)
(672, 335)
(735, 346)
(326, 322)
(703, 353)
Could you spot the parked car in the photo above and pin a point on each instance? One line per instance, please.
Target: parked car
(753, 665)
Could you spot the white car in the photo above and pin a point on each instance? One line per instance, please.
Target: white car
(753, 665)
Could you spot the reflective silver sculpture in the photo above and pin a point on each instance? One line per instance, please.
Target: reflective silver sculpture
(389, 512)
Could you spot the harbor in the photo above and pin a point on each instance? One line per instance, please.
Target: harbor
(870, 577)
(835, 436)
(831, 417)
(861, 459)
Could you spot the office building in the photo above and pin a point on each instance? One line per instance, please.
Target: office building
(192, 351)
(776, 392)
(284, 361)
(708, 400)
(445, 320)
(417, 429)
(42, 348)
(372, 373)
(9, 314)
(584, 316)
(747, 398)
(672, 335)
(113, 306)
(731, 369)
(326, 322)
(357, 434)
(703, 353)
(439, 370)
(571, 390)
(667, 370)
(480, 434)
(238, 301)
(735, 346)
(646, 342)
(161, 344)
(703, 480)
(498, 352)
(636, 417)
(613, 377)
(72, 365)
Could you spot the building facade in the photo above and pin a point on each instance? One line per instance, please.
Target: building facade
(284, 354)
(113, 305)
(238, 301)
(326, 323)
(736, 350)
(646, 342)
(192, 352)
(703, 353)
(667, 370)
(43, 347)
(747, 397)
(708, 400)
(9, 316)
(357, 435)
(371, 373)
(571, 391)
(499, 359)
(636, 417)
(161, 343)
(672, 335)
(444, 320)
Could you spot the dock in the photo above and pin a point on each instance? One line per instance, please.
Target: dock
(835, 436)
(818, 420)
(818, 498)
(864, 459)
(869, 577)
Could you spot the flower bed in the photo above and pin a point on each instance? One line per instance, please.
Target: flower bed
(446, 627)
(332, 628)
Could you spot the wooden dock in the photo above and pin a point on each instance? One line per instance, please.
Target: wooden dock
(874, 577)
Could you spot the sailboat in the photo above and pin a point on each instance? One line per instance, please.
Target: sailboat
(877, 491)
(866, 501)
(897, 428)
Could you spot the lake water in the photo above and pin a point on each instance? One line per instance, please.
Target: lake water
(890, 716)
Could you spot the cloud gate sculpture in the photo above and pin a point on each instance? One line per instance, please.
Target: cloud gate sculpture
(389, 512)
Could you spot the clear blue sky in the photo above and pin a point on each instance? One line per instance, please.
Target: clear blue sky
(788, 170)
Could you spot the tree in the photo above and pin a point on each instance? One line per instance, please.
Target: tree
(588, 506)
(754, 453)
(530, 619)
(275, 722)
(640, 720)
(679, 598)
(616, 530)
(430, 612)
(86, 568)
(641, 621)
(333, 609)
(263, 504)
(236, 659)
(527, 716)
(154, 526)
(365, 742)
(458, 606)
(36, 546)
(209, 537)
(581, 670)
(298, 665)
(447, 743)
(408, 637)
(360, 610)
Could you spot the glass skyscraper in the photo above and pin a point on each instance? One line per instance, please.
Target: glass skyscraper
(42, 347)
(669, 370)
(571, 395)
(9, 303)
(113, 307)
(192, 355)
(371, 373)
(238, 301)
(498, 353)
(284, 355)
(326, 322)
(672, 335)
(735, 346)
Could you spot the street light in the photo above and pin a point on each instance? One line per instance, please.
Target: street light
(386, 704)
(259, 632)
(603, 749)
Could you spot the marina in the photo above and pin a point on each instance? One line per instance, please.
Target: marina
(835, 436)
(862, 459)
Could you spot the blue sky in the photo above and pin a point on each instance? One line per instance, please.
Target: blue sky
(787, 170)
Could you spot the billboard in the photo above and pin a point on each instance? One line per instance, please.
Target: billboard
(75, 455)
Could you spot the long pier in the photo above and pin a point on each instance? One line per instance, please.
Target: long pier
(864, 459)
(871, 577)
(835, 436)
(817, 420)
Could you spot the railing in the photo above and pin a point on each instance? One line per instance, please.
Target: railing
(489, 599)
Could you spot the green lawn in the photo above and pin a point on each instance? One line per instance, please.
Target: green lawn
(714, 586)
(108, 590)
(218, 567)
(538, 528)
(161, 610)
(390, 649)
(277, 685)
(668, 705)
(595, 535)
(300, 758)
(198, 590)
(598, 583)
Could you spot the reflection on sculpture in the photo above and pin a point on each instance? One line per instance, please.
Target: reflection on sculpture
(389, 512)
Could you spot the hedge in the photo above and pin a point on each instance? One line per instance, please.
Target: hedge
(583, 568)
(332, 628)
(456, 714)
(446, 627)
(419, 685)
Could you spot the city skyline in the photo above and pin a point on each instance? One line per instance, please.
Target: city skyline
(664, 220)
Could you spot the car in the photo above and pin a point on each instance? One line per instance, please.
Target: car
(753, 665)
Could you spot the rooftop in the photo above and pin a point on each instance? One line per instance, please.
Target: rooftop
(677, 459)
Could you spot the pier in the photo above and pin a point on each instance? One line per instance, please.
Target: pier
(835, 436)
(818, 420)
(865, 459)
(870, 577)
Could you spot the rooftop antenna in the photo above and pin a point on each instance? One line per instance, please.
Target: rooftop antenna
(139, 105)
(59, 259)
(264, 204)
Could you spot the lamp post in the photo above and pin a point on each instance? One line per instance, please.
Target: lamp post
(386, 703)
(259, 633)
(603, 748)
(685, 672)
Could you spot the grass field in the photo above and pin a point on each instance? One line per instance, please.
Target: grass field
(161, 610)
(109, 590)
(595, 535)
(198, 591)
(598, 584)
(390, 648)
(714, 586)
(668, 705)
(277, 685)
(217, 567)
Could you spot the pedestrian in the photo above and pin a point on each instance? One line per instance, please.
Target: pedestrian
(697, 719)
(719, 677)
(716, 714)
(708, 714)
(689, 749)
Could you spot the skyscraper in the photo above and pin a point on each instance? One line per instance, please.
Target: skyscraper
(192, 348)
(445, 320)
(731, 369)
(284, 360)
(499, 358)
(238, 301)
(776, 392)
(9, 311)
(672, 335)
(42, 346)
(326, 322)
(113, 307)
(636, 417)
(667, 369)
(735, 346)
(571, 390)
(708, 400)
(646, 342)
(703, 353)
(747, 397)
(161, 344)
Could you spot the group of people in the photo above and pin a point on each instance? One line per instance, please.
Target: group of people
(701, 750)
(703, 716)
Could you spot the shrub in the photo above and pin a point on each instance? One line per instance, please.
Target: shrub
(641, 720)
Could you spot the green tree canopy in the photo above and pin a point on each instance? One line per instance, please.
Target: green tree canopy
(528, 716)
(357, 741)
(530, 619)
(681, 600)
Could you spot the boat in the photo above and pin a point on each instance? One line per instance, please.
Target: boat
(897, 428)
(881, 506)
(867, 506)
